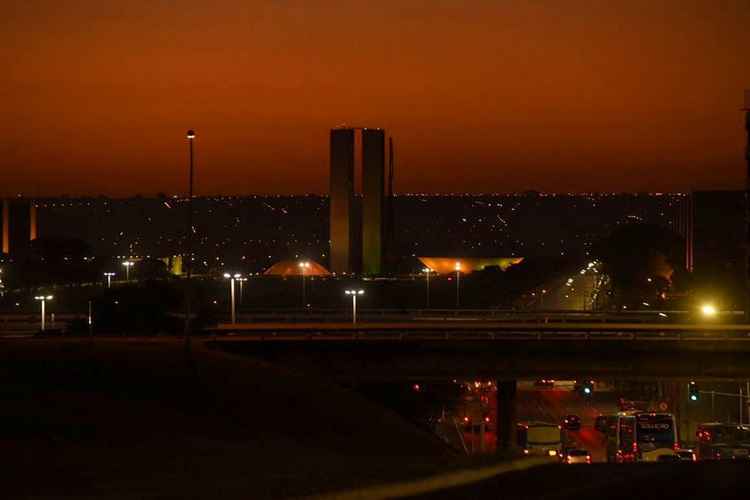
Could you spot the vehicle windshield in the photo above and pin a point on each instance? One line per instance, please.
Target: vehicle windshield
(578, 453)
(543, 435)
(655, 430)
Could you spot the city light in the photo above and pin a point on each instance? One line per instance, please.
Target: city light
(708, 310)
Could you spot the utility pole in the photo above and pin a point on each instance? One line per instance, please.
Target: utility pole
(90, 321)
(189, 243)
(746, 109)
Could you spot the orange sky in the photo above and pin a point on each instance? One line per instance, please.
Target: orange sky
(480, 95)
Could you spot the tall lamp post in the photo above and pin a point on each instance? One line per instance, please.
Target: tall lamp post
(427, 272)
(190, 136)
(458, 284)
(354, 294)
(240, 281)
(43, 299)
(232, 278)
(128, 264)
(304, 266)
(109, 279)
(746, 110)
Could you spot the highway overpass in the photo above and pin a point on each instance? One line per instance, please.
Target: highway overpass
(439, 350)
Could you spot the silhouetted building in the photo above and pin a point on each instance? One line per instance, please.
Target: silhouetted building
(373, 200)
(357, 233)
(19, 226)
(342, 210)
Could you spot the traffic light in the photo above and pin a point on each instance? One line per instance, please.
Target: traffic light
(588, 388)
(693, 392)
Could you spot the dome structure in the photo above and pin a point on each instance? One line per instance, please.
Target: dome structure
(447, 265)
(296, 268)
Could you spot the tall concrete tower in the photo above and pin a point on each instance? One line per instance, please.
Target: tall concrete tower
(342, 216)
(6, 226)
(357, 230)
(19, 226)
(373, 201)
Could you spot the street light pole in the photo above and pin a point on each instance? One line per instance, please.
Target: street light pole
(304, 266)
(43, 299)
(241, 280)
(128, 264)
(427, 271)
(458, 284)
(109, 279)
(232, 278)
(354, 294)
(189, 242)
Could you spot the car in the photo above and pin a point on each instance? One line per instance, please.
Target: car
(544, 383)
(731, 453)
(571, 423)
(685, 455)
(577, 456)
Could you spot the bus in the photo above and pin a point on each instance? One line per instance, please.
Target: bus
(641, 437)
(540, 439)
(721, 441)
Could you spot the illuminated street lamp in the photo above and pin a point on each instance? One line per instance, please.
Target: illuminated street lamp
(458, 284)
(128, 264)
(354, 294)
(241, 281)
(427, 272)
(43, 299)
(232, 278)
(708, 310)
(304, 266)
(109, 279)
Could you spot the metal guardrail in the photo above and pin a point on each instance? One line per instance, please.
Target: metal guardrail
(486, 331)
(341, 315)
(22, 323)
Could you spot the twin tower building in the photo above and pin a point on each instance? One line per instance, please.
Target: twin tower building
(357, 223)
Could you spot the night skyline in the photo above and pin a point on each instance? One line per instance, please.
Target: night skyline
(479, 97)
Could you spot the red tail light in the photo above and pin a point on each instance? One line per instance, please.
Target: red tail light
(676, 446)
(635, 448)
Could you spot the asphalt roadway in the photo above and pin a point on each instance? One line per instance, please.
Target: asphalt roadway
(701, 480)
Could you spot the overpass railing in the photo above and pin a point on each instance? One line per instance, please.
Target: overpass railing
(488, 331)
(337, 315)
